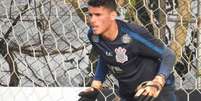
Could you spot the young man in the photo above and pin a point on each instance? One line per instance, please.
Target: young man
(141, 63)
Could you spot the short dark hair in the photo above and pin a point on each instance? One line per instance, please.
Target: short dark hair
(111, 4)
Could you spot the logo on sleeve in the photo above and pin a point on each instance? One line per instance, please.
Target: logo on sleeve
(121, 56)
(126, 39)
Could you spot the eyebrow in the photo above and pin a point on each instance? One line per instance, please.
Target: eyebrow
(94, 13)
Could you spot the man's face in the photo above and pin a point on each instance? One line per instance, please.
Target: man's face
(100, 19)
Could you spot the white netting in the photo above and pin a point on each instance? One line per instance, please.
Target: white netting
(44, 42)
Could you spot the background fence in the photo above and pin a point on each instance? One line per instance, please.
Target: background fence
(44, 42)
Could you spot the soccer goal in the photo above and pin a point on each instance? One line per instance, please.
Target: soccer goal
(43, 43)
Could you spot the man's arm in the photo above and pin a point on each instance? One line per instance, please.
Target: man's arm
(101, 70)
(151, 89)
(166, 56)
(149, 46)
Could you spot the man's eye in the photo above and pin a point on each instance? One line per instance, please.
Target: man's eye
(90, 14)
(97, 14)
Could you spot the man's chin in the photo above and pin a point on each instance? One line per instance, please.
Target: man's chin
(97, 33)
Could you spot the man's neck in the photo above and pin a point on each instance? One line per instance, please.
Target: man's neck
(112, 32)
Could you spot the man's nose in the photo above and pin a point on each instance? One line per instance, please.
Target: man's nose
(92, 20)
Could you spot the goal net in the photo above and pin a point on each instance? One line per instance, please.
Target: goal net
(43, 43)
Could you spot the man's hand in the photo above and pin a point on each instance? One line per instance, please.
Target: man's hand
(149, 90)
(91, 93)
(96, 84)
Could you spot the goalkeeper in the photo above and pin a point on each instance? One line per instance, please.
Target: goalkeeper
(141, 63)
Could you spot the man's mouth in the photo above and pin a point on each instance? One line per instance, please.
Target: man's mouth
(94, 28)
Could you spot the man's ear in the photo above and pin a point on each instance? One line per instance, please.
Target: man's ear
(113, 15)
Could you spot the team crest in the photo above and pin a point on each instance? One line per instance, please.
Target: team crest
(121, 56)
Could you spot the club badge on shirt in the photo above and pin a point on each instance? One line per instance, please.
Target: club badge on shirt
(121, 56)
(126, 39)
